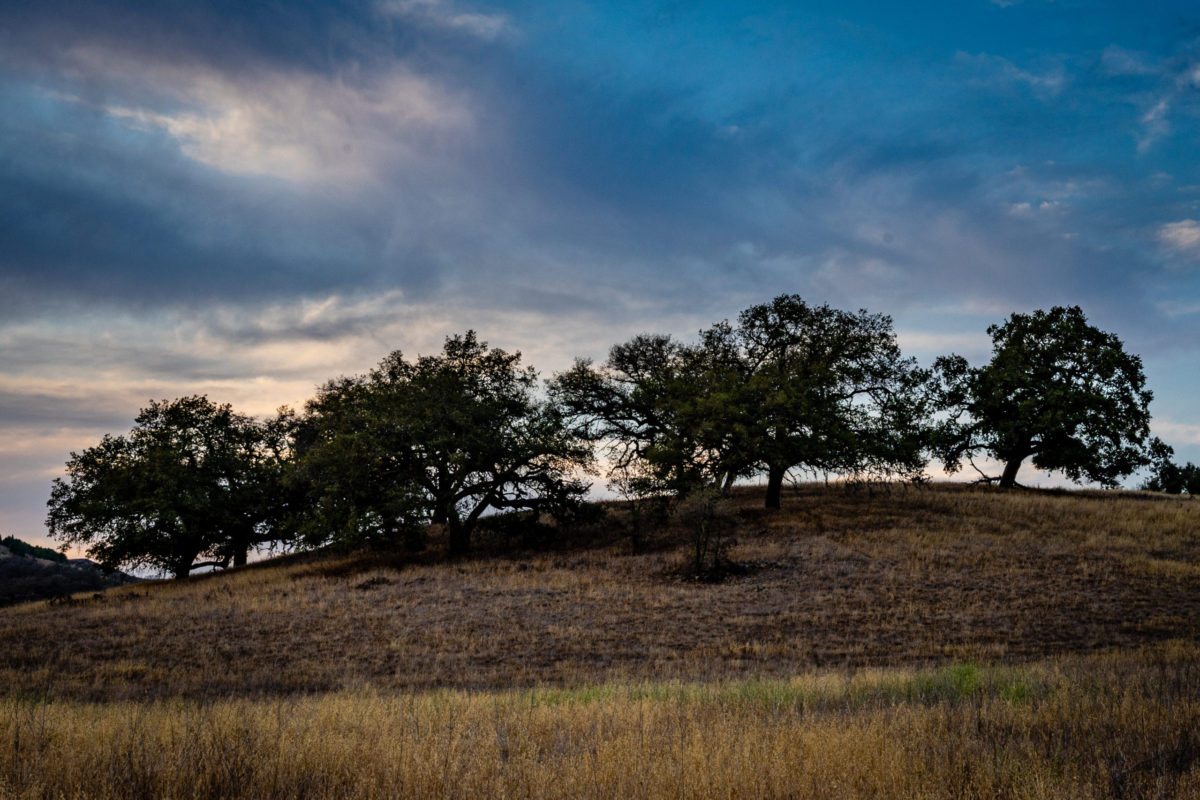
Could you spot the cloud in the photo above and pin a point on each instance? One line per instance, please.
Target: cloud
(1178, 308)
(1182, 236)
(302, 127)
(1156, 124)
(930, 344)
(1116, 60)
(439, 14)
(1027, 210)
(1046, 84)
(1175, 432)
(1176, 80)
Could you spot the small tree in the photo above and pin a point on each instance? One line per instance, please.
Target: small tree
(191, 480)
(665, 414)
(1168, 477)
(1058, 391)
(710, 523)
(792, 386)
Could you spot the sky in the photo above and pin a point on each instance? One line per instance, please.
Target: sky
(245, 200)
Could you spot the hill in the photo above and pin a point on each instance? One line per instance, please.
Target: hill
(838, 579)
(939, 642)
(29, 572)
(12, 546)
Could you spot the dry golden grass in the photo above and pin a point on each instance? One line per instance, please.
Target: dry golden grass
(837, 579)
(1123, 725)
(923, 642)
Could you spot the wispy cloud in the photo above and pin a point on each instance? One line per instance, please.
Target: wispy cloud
(306, 128)
(1182, 236)
(1156, 124)
(1046, 84)
(1028, 210)
(440, 14)
(1176, 432)
(1119, 61)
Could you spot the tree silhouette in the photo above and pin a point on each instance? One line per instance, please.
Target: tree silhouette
(192, 479)
(792, 386)
(440, 440)
(1058, 391)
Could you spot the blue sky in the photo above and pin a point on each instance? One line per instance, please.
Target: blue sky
(247, 199)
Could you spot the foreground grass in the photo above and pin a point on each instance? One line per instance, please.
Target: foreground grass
(1123, 724)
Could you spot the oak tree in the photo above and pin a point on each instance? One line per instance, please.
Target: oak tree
(193, 480)
(443, 439)
(1057, 391)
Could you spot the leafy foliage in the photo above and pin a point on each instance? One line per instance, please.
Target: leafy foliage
(440, 440)
(830, 392)
(1057, 390)
(665, 414)
(791, 386)
(193, 478)
(1168, 477)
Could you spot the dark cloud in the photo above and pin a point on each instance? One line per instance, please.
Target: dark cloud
(238, 36)
(38, 409)
(124, 219)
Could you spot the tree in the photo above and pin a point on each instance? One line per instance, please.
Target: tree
(830, 392)
(792, 385)
(192, 479)
(441, 440)
(666, 415)
(1058, 391)
(1168, 477)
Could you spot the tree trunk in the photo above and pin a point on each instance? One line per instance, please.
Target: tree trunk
(727, 486)
(460, 536)
(240, 555)
(1009, 478)
(775, 486)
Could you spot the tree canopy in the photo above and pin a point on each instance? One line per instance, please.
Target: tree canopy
(830, 392)
(1168, 477)
(791, 386)
(442, 440)
(1058, 391)
(192, 480)
(665, 414)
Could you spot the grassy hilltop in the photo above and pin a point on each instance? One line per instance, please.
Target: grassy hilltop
(919, 642)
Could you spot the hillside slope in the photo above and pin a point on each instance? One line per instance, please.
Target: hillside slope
(913, 576)
(27, 574)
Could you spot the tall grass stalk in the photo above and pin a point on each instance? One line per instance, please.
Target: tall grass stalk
(1125, 724)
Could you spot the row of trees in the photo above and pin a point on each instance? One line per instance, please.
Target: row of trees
(375, 459)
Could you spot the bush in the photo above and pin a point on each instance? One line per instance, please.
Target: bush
(710, 522)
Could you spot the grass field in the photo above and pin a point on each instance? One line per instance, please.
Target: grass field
(921, 642)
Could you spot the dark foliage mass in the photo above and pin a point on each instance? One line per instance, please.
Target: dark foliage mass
(27, 575)
(1058, 391)
(792, 386)
(20, 548)
(442, 440)
(447, 441)
(1170, 478)
(192, 479)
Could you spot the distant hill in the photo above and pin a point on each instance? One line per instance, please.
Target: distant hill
(29, 572)
(16, 547)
